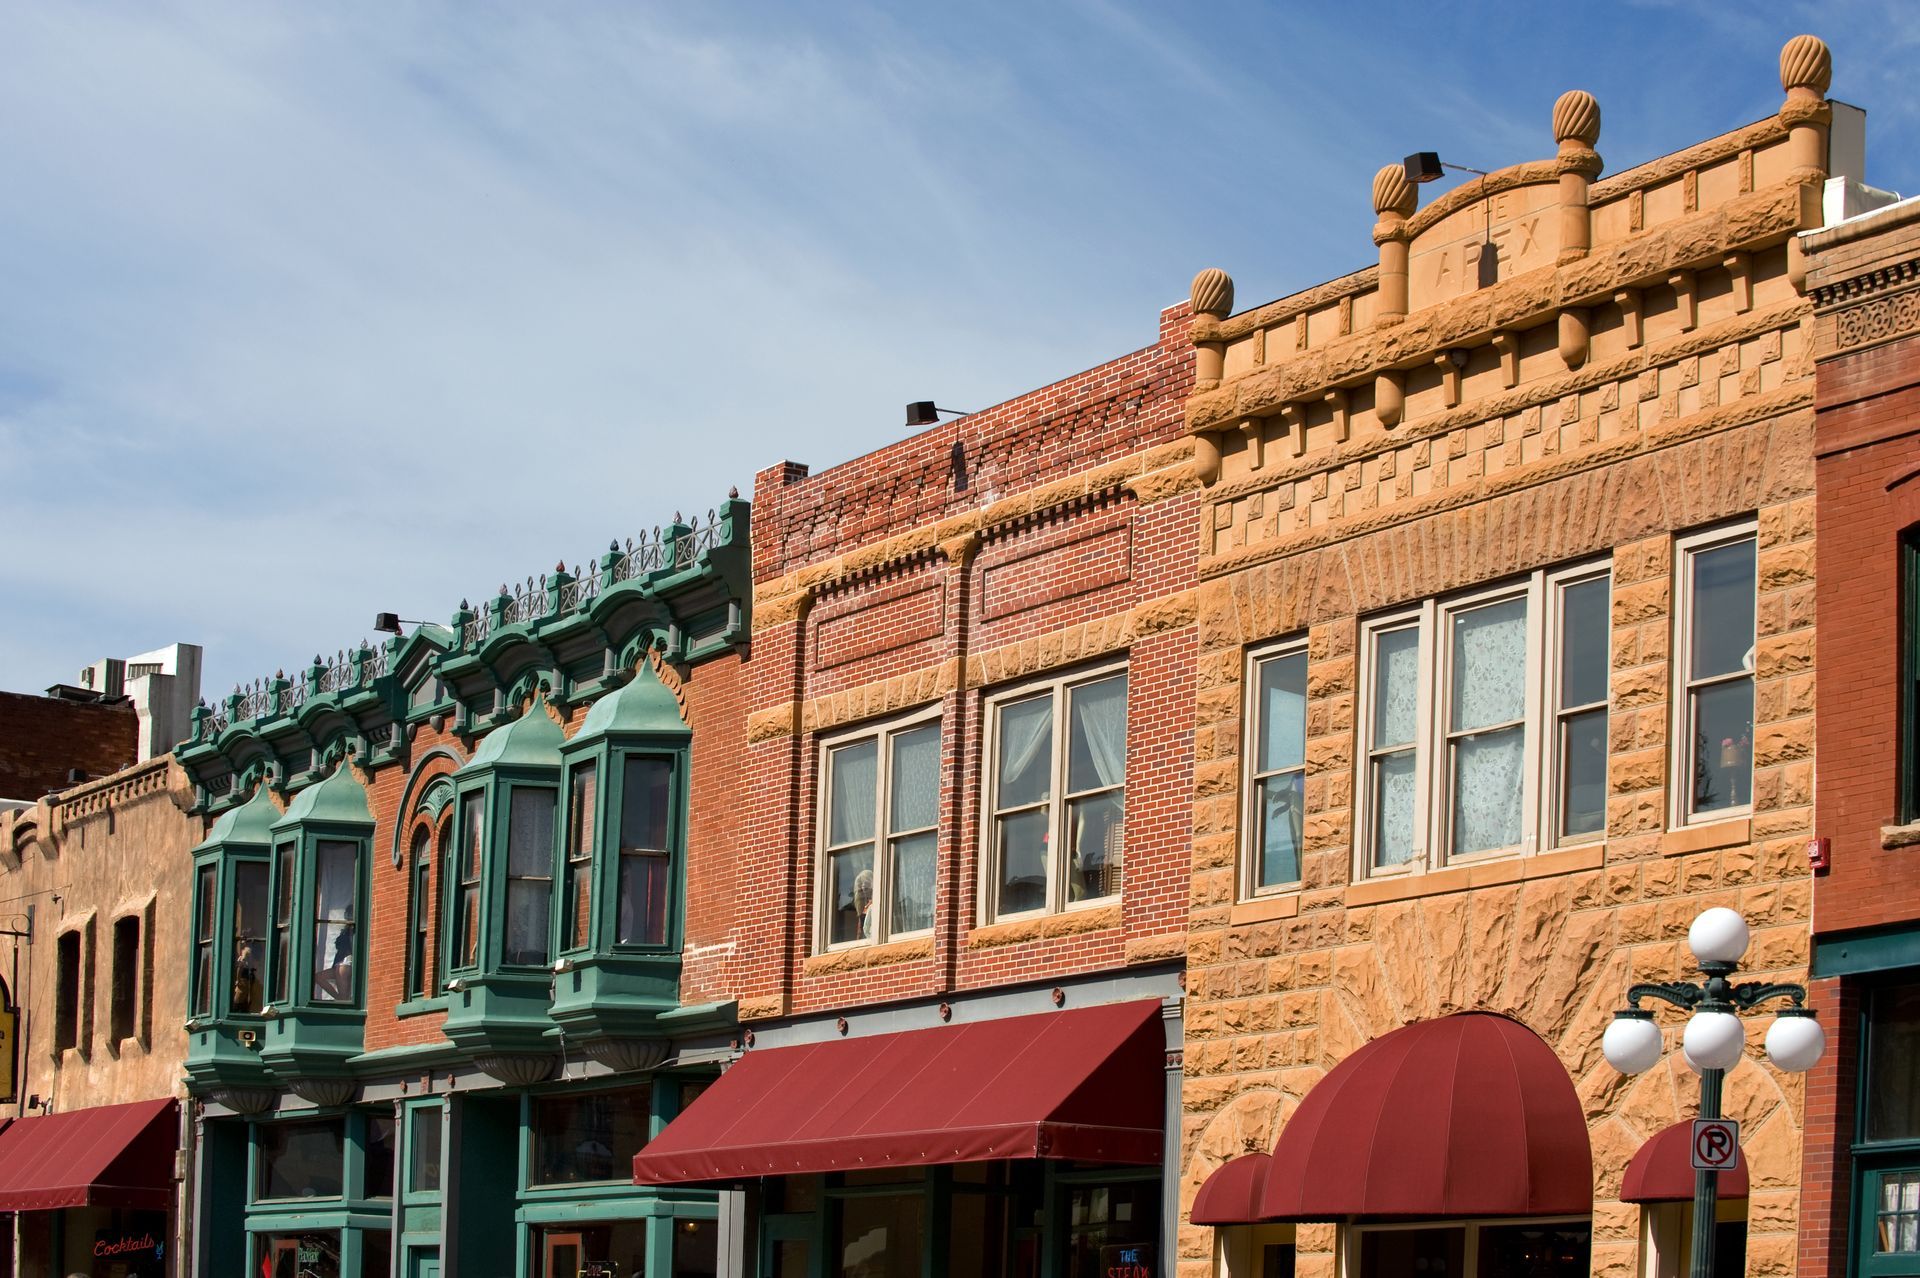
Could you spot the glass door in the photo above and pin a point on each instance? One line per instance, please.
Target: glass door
(564, 1256)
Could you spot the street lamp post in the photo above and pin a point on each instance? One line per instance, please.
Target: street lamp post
(1714, 1039)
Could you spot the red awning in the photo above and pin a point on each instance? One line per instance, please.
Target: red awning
(1231, 1196)
(112, 1156)
(1662, 1172)
(1466, 1115)
(1082, 1084)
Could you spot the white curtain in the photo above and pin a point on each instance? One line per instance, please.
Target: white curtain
(915, 780)
(1489, 688)
(1396, 687)
(850, 789)
(1393, 809)
(1026, 738)
(1098, 732)
(913, 870)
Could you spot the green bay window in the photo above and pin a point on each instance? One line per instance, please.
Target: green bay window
(646, 852)
(316, 995)
(622, 857)
(228, 959)
(499, 895)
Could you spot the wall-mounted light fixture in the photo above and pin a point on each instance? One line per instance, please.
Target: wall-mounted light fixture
(924, 412)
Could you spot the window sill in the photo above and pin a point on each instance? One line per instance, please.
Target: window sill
(421, 1006)
(1462, 878)
(862, 957)
(1900, 836)
(1704, 838)
(1266, 909)
(1069, 923)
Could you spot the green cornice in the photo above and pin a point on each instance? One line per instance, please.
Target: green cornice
(531, 741)
(251, 823)
(642, 705)
(685, 586)
(338, 800)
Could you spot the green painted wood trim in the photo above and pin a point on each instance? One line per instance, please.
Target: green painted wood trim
(1878, 950)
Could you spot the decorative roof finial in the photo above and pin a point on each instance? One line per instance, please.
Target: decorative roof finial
(1213, 293)
(1576, 118)
(1806, 63)
(1393, 192)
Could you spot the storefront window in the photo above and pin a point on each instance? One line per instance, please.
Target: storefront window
(978, 1241)
(423, 1151)
(302, 1160)
(614, 1250)
(588, 1138)
(879, 1235)
(1893, 1065)
(696, 1249)
(99, 1242)
(376, 1254)
(379, 1156)
(1112, 1228)
(309, 1255)
(1512, 1249)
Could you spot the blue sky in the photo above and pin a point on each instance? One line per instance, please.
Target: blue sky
(312, 311)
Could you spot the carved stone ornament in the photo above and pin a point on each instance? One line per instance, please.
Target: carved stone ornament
(628, 1055)
(244, 1100)
(326, 1093)
(1213, 293)
(1806, 63)
(1576, 118)
(1393, 192)
(515, 1069)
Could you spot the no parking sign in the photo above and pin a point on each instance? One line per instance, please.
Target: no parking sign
(1716, 1144)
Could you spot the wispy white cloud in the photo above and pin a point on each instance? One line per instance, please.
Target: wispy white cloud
(317, 310)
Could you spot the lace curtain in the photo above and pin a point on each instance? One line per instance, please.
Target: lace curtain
(1098, 730)
(850, 793)
(914, 805)
(1488, 690)
(1025, 748)
(1396, 703)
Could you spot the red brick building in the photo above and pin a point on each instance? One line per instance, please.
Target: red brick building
(1861, 1180)
(964, 882)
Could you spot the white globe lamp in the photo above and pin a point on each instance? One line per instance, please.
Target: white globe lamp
(1795, 1041)
(1713, 1040)
(1632, 1042)
(1718, 936)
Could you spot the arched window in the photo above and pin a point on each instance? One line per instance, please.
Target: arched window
(420, 971)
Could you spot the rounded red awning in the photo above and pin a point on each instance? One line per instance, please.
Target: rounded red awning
(1467, 1115)
(1231, 1196)
(1662, 1172)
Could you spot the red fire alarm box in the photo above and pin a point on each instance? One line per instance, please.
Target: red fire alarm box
(1820, 854)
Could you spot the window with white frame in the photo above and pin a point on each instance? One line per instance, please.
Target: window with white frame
(880, 832)
(1056, 803)
(1714, 641)
(1276, 768)
(1483, 722)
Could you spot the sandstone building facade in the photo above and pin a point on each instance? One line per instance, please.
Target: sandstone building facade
(1505, 671)
(93, 929)
(1860, 1209)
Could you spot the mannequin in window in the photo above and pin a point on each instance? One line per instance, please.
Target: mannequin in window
(336, 979)
(863, 903)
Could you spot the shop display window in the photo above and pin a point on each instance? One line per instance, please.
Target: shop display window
(423, 1149)
(1112, 1228)
(879, 1235)
(1493, 1249)
(612, 1250)
(303, 1255)
(302, 1160)
(587, 1138)
(380, 1148)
